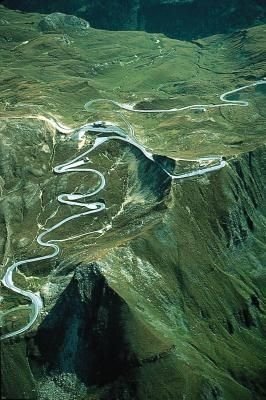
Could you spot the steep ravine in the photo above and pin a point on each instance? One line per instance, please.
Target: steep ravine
(177, 310)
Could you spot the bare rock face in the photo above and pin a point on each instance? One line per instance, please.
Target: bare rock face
(58, 22)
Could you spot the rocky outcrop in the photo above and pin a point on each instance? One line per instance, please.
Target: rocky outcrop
(59, 22)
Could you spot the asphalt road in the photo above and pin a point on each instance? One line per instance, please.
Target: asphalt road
(108, 132)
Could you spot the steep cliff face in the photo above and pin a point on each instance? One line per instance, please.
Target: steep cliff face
(183, 19)
(168, 302)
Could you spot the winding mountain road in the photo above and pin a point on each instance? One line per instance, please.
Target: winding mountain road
(78, 164)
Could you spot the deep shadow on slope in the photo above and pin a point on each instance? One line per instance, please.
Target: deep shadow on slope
(182, 20)
(83, 334)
